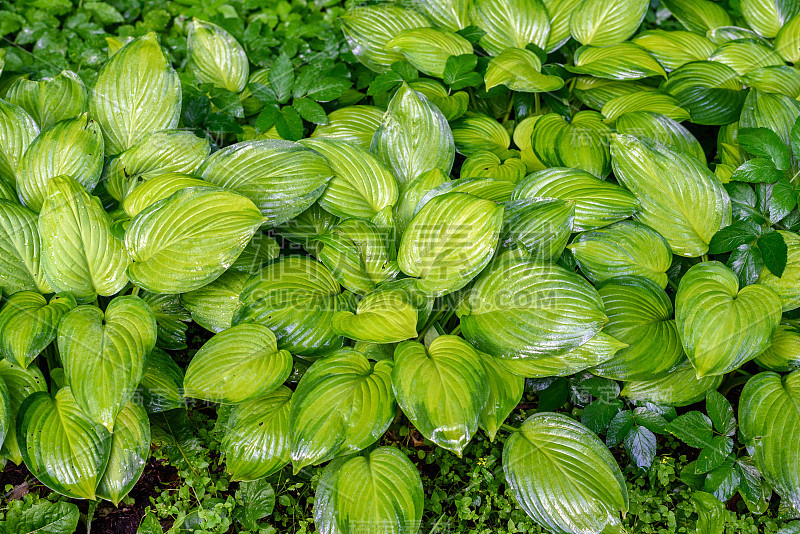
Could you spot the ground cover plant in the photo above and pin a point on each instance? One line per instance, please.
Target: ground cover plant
(526, 266)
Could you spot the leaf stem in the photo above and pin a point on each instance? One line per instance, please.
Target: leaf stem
(90, 516)
(429, 324)
(456, 330)
(704, 257)
(509, 428)
(135, 291)
(672, 284)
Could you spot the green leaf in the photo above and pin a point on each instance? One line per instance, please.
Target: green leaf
(560, 12)
(214, 56)
(354, 124)
(183, 242)
(714, 454)
(428, 49)
(693, 428)
(765, 143)
(747, 263)
(680, 387)
(733, 236)
(328, 88)
(640, 444)
(50, 100)
(237, 365)
(624, 61)
(378, 492)
(722, 327)
(289, 124)
(505, 392)
(21, 383)
(520, 70)
(257, 433)
(452, 105)
(442, 390)
(541, 227)
(130, 449)
(639, 315)
(758, 170)
(579, 144)
(281, 78)
(774, 79)
(383, 316)
(746, 56)
(486, 164)
(721, 413)
(159, 188)
(787, 41)
(563, 476)
(62, 447)
(598, 415)
(137, 92)
(20, 268)
(343, 404)
(774, 112)
(698, 16)
(450, 14)
(161, 387)
(310, 110)
(680, 198)
(476, 131)
(281, 178)
(606, 23)
(767, 17)
(769, 420)
(774, 252)
(674, 49)
(214, 305)
(783, 354)
(258, 499)
(261, 250)
(42, 517)
(79, 254)
(510, 23)
(171, 319)
(28, 324)
(458, 72)
(711, 92)
(17, 131)
(652, 114)
(710, 512)
(785, 286)
(104, 354)
(449, 241)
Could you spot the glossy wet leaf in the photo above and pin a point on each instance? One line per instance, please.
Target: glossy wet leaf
(21, 384)
(161, 387)
(680, 387)
(450, 14)
(50, 100)
(787, 41)
(711, 92)
(579, 144)
(476, 131)
(216, 57)
(660, 128)
(452, 105)
(20, 267)
(130, 449)
(644, 102)
(699, 16)
(382, 316)
(354, 124)
(624, 61)
(488, 165)
(214, 305)
(520, 70)
(28, 324)
(744, 57)
(17, 130)
(674, 49)
(428, 49)
(540, 227)
(767, 17)
(510, 24)
(505, 392)
(43, 517)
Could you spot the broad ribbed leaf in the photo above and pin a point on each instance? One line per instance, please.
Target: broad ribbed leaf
(50, 100)
(606, 22)
(485, 164)
(282, 178)
(154, 154)
(782, 79)
(520, 70)
(564, 477)
(746, 56)
(450, 14)
(769, 419)
(407, 202)
(510, 24)
(21, 384)
(540, 227)
(787, 286)
(380, 492)
(579, 144)
(657, 103)
(343, 404)
(237, 365)
(711, 92)
(449, 241)
(596, 351)
(428, 49)
(137, 92)
(787, 42)
(73, 147)
(261, 250)
(61, 446)
(17, 131)
(183, 242)
(161, 387)
(442, 390)
(452, 105)
(698, 16)
(213, 305)
(79, 253)
(767, 17)
(774, 111)
(505, 392)
(20, 250)
(679, 387)
(560, 12)
(524, 309)
(660, 128)
(597, 203)
(354, 124)
(104, 354)
(596, 92)
(783, 354)
(640, 315)
(680, 198)
(383, 316)
(257, 436)
(5, 410)
(159, 188)
(624, 248)
(130, 449)
(722, 327)
(673, 49)
(624, 61)
(413, 137)
(476, 131)
(216, 57)
(171, 319)
(296, 297)
(28, 324)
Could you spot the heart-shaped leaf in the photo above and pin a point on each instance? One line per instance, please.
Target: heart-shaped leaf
(104, 354)
(130, 448)
(520, 70)
(354, 124)
(510, 24)
(505, 392)
(237, 365)
(161, 387)
(442, 390)
(21, 384)
(214, 305)
(673, 49)
(17, 131)
(343, 404)
(563, 476)
(539, 227)
(216, 57)
(721, 326)
(428, 49)
(383, 316)
(486, 188)
(711, 92)
(50, 100)
(452, 105)
(486, 164)
(679, 387)
(654, 102)
(28, 324)
(579, 144)
(476, 131)
(20, 250)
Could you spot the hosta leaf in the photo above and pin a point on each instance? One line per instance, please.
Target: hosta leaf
(428, 49)
(216, 57)
(698, 16)
(624, 248)
(183, 242)
(773, 111)
(596, 92)
(104, 354)
(154, 154)
(407, 203)
(261, 250)
(560, 12)
(79, 254)
(656, 103)
(383, 316)
(475, 131)
(368, 29)
(130, 448)
(510, 23)
(786, 286)
(781, 79)
(597, 203)
(505, 392)
(449, 241)
(379, 492)
(524, 309)
(783, 354)
(21, 384)
(213, 305)
(159, 188)
(563, 476)
(769, 420)
(520, 70)
(746, 56)
(161, 387)
(579, 144)
(673, 49)
(680, 198)
(540, 227)
(413, 137)
(680, 387)
(354, 124)
(640, 315)
(442, 390)
(5, 410)
(522, 139)
(73, 147)
(257, 436)
(452, 105)
(450, 14)
(28, 324)
(50, 100)
(721, 326)
(486, 164)
(17, 131)
(237, 365)
(171, 319)
(137, 92)
(660, 128)
(296, 297)
(711, 92)
(343, 404)
(787, 42)
(767, 17)
(606, 22)
(42, 516)
(361, 186)
(281, 178)
(61, 446)
(624, 61)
